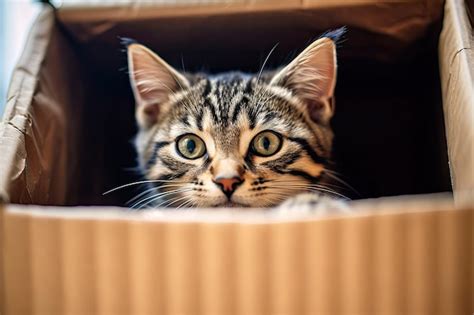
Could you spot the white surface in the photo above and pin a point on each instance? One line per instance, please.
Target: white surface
(16, 17)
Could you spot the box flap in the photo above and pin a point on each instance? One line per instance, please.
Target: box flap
(457, 73)
(17, 121)
(400, 23)
(37, 137)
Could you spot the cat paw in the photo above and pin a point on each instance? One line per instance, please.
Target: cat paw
(313, 203)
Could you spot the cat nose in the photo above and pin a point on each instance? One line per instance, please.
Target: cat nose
(228, 184)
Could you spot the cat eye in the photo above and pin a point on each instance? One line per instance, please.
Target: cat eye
(266, 143)
(191, 146)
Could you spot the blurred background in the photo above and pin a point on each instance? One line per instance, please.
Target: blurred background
(16, 17)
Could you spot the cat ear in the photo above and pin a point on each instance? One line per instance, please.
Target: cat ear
(153, 81)
(312, 77)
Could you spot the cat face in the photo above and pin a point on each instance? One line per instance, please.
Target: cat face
(233, 139)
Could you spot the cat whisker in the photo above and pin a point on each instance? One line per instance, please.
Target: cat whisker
(297, 181)
(186, 204)
(333, 175)
(311, 188)
(143, 193)
(153, 189)
(139, 183)
(265, 61)
(154, 199)
(169, 201)
(330, 192)
(158, 196)
(173, 201)
(280, 196)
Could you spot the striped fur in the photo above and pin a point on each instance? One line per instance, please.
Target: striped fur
(227, 111)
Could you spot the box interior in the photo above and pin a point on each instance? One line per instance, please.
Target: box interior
(389, 130)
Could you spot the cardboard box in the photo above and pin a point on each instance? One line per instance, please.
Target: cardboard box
(64, 140)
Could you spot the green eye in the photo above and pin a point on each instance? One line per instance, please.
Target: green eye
(191, 146)
(266, 143)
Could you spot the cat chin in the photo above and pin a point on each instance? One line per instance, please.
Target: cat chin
(231, 204)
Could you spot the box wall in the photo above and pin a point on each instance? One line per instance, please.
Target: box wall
(457, 72)
(41, 128)
(411, 261)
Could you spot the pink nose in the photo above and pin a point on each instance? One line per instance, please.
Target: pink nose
(228, 185)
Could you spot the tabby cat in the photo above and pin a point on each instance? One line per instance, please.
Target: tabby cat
(236, 139)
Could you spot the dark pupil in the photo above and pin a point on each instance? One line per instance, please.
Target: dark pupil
(266, 143)
(190, 146)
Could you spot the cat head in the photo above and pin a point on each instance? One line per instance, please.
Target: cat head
(233, 139)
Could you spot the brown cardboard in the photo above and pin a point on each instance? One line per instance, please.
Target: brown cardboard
(398, 255)
(457, 73)
(391, 25)
(38, 138)
(104, 261)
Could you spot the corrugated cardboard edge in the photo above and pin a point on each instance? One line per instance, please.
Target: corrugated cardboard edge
(360, 208)
(457, 73)
(17, 120)
(414, 261)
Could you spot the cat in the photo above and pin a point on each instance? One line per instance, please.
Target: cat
(236, 139)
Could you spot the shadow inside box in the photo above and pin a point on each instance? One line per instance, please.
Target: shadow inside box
(389, 133)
